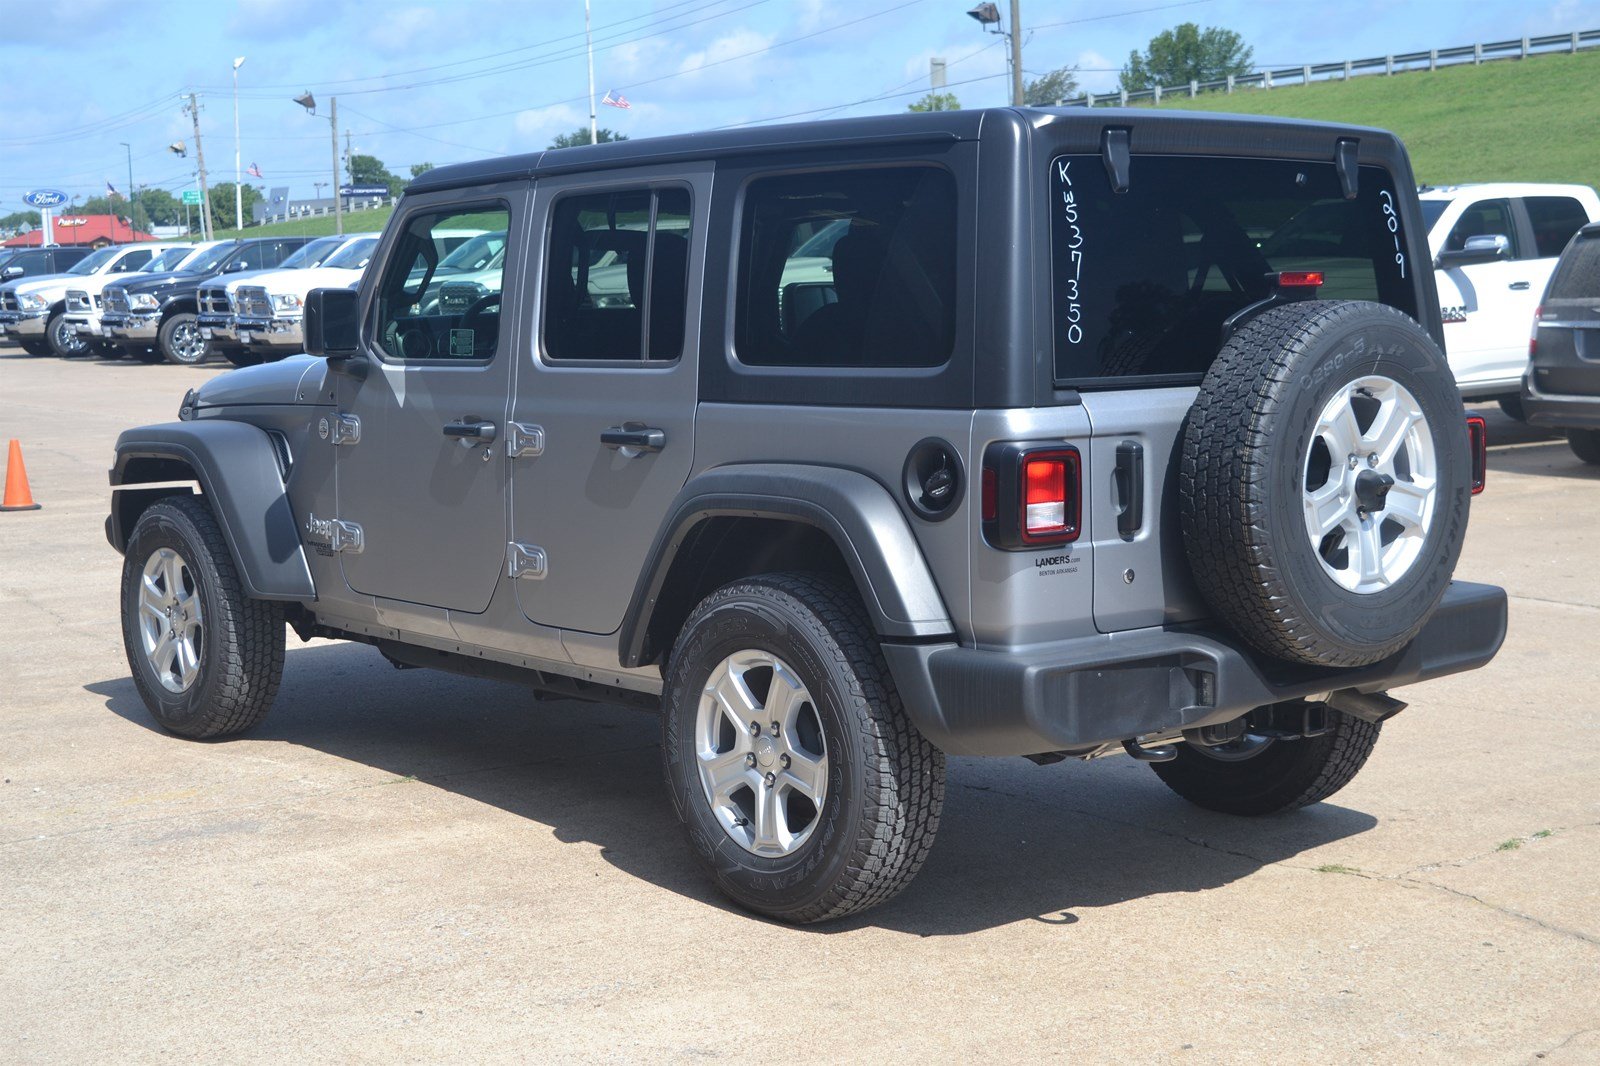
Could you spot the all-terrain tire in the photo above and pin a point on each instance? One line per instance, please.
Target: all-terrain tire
(1244, 470)
(180, 341)
(1282, 776)
(885, 780)
(1585, 444)
(241, 644)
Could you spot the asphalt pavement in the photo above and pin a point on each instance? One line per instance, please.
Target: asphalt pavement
(412, 866)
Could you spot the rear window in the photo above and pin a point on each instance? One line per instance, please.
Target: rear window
(1555, 219)
(1144, 279)
(1577, 276)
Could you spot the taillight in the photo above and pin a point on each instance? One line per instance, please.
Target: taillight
(1032, 495)
(1533, 334)
(1299, 279)
(1478, 439)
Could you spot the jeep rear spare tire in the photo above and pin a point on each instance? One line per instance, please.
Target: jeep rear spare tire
(1325, 482)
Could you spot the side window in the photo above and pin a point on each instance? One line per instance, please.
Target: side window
(131, 260)
(250, 257)
(1555, 219)
(848, 268)
(444, 307)
(1485, 218)
(617, 274)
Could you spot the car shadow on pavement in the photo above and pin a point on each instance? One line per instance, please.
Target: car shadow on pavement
(1018, 842)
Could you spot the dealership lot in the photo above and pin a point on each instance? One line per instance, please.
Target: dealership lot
(422, 866)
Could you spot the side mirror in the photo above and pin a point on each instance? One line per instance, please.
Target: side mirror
(1480, 249)
(332, 323)
(234, 267)
(10, 273)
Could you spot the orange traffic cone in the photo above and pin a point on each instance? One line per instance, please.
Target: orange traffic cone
(17, 498)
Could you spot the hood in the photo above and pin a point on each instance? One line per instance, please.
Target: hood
(300, 282)
(244, 277)
(22, 284)
(297, 379)
(152, 283)
(96, 283)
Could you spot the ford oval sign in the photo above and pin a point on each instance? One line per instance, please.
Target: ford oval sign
(45, 198)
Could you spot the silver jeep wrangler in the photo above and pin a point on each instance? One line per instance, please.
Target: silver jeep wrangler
(851, 445)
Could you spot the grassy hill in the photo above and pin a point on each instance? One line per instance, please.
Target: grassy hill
(1509, 120)
(370, 221)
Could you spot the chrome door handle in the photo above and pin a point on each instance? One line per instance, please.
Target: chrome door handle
(632, 438)
(1519, 286)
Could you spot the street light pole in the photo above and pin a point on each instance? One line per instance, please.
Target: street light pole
(309, 102)
(132, 204)
(594, 133)
(238, 174)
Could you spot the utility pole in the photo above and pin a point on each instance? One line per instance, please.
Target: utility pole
(1016, 53)
(594, 131)
(338, 201)
(132, 204)
(200, 164)
(238, 174)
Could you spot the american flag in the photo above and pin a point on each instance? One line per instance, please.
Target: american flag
(616, 101)
(111, 190)
(254, 171)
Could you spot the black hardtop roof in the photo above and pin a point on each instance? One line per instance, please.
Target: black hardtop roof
(949, 126)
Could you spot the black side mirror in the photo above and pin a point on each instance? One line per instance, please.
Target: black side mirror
(332, 323)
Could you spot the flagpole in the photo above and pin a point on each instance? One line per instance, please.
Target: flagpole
(594, 132)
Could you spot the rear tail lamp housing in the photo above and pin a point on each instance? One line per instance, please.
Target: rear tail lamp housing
(1478, 440)
(1032, 495)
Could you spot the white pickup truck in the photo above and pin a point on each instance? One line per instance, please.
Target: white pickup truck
(1494, 248)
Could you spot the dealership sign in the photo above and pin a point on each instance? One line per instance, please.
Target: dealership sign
(46, 198)
(363, 190)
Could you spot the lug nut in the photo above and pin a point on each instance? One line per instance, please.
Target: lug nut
(1354, 462)
(776, 729)
(783, 761)
(770, 779)
(1372, 459)
(750, 760)
(755, 729)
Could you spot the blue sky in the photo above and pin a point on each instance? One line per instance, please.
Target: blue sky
(450, 80)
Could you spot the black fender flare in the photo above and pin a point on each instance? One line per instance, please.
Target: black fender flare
(855, 511)
(237, 468)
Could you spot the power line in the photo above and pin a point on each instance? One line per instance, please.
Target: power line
(857, 103)
(1116, 15)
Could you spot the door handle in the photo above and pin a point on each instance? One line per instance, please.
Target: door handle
(634, 438)
(1129, 479)
(470, 431)
(1519, 286)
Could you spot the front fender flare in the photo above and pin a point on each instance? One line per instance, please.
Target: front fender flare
(238, 471)
(855, 511)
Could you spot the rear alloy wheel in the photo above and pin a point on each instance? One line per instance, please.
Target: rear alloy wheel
(1266, 775)
(802, 785)
(181, 341)
(1585, 444)
(64, 338)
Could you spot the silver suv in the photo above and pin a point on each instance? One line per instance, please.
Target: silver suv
(1047, 447)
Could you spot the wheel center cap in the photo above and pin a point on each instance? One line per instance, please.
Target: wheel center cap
(766, 751)
(1372, 490)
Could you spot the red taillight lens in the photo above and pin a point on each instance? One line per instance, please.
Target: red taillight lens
(1032, 496)
(1533, 334)
(1299, 279)
(1478, 438)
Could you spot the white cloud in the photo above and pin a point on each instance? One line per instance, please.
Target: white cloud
(538, 126)
(403, 29)
(723, 53)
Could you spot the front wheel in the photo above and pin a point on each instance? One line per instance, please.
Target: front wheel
(1266, 775)
(802, 785)
(180, 340)
(205, 657)
(63, 337)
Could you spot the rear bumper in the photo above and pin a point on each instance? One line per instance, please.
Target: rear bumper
(1560, 412)
(1082, 693)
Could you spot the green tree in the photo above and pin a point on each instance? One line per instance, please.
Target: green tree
(1059, 84)
(936, 102)
(1187, 53)
(159, 207)
(222, 203)
(581, 136)
(419, 169)
(369, 170)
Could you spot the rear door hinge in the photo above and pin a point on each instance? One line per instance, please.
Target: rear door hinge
(525, 560)
(524, 441)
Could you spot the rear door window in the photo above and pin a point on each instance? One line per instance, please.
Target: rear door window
(1555, 219)
(1144, 279)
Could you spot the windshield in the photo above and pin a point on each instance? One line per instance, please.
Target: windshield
(209, 258)
(477, 254)
(167, 260)
(95, 260)
(313, 254)
(1145, 278)
(1432, 210)
(354, 255)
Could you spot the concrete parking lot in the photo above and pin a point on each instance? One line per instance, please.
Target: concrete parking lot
(414, 866)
